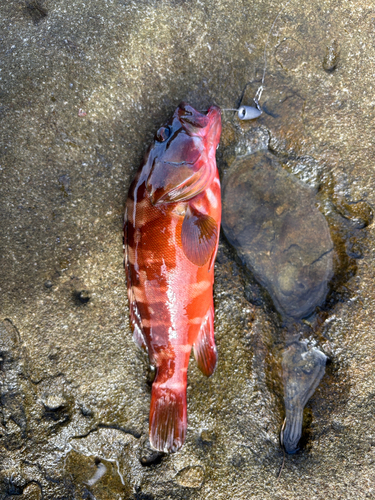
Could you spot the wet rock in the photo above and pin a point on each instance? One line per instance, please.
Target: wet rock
(9, 342)
(272, 220)
(207, 436)
(56, 407)
(32, 492)
(191, 477)
(307, 170)
(149, 456)
(247, 143)
(92, 477)
(359, 213)
(35, 10)
(237, 461)
(12, 396)
(116, 449)
(105, 441)
(283, 113)
(12, 482)
(289, 54)
(86, 412)
(332, 56)
(64, 182)
(303, 369)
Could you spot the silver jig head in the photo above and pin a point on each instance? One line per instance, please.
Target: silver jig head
(251, 112)
(246, 112)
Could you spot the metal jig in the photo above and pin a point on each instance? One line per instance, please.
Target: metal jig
(246, 112)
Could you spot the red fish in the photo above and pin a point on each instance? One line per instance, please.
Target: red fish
(172, 224)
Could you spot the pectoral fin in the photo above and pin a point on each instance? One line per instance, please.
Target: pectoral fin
(199, 235)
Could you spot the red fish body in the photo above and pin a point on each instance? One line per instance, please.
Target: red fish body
(172, 224)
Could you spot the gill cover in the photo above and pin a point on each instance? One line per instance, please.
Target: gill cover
(183, 156)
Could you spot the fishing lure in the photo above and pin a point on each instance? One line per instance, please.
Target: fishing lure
(172, 223)
(253, 112)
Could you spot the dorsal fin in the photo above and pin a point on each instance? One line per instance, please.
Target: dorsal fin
(199, 235)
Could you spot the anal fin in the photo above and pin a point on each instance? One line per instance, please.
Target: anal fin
(205, 351)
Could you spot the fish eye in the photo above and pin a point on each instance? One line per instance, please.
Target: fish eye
(163, 133)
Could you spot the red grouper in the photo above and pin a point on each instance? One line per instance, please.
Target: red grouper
(172, 223)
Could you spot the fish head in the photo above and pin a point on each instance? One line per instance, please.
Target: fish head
(181, 162)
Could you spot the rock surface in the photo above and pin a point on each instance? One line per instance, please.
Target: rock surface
(271, 219)
(84, 86)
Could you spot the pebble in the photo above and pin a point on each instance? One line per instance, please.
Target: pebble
(332, 56)
(53, 402)
(191, 476)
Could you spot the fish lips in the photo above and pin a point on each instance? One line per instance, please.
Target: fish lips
(206, 125)
(188, 115)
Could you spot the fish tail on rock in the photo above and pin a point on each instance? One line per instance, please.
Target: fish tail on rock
(293, 429)
(168, 418)
(205, 351)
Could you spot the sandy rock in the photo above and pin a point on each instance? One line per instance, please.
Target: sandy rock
(84, 86)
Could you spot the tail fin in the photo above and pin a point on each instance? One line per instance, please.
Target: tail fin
(293, 429)
(168, 418)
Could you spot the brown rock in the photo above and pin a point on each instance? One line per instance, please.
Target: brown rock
(272, 220)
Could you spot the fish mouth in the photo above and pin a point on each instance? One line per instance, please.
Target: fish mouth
(189, 115)
(205, 124)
